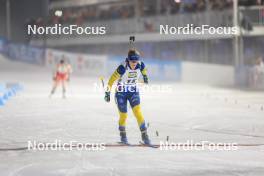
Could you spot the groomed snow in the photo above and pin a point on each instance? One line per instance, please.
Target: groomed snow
(188, 112)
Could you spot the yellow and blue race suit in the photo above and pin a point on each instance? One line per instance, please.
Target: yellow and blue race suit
(127, 91)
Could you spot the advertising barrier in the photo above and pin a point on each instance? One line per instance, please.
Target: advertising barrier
(158, 70)
(3, 45)
(82, 64)
(210, 74)
(26, 53)
(249, 77)
(104, 65)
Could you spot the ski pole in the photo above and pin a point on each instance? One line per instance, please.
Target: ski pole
(102, 81)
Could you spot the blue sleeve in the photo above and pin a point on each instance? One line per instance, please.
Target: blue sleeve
(142, 66)
(121, 69)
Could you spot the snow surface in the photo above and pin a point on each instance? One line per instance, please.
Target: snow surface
(188, 112)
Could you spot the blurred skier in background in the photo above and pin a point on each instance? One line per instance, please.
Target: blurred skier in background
(258, 72)
(61, 76)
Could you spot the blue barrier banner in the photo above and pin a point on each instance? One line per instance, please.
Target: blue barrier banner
(26, 53)
(3, 45)
(7, 90)
(165, 70)
(2, 94)
(2, 87)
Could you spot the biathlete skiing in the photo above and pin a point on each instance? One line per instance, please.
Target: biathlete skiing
(61, 76)
(128, 74)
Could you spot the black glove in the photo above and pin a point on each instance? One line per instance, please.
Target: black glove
(145, 78)
(107, 96)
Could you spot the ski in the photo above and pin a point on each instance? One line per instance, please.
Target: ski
(125, 144)
(148, 145)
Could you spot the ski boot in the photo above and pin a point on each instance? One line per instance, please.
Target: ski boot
(63, 93)
(123, 137)
(144, 135)
(52, 92)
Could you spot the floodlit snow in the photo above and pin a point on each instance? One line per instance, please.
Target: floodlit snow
(188, 112)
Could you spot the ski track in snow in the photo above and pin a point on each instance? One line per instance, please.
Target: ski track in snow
(189, 112)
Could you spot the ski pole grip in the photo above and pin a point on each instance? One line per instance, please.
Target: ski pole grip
(132, 38)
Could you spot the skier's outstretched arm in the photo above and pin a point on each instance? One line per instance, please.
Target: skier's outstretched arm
(143, 70)
(115, 76)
